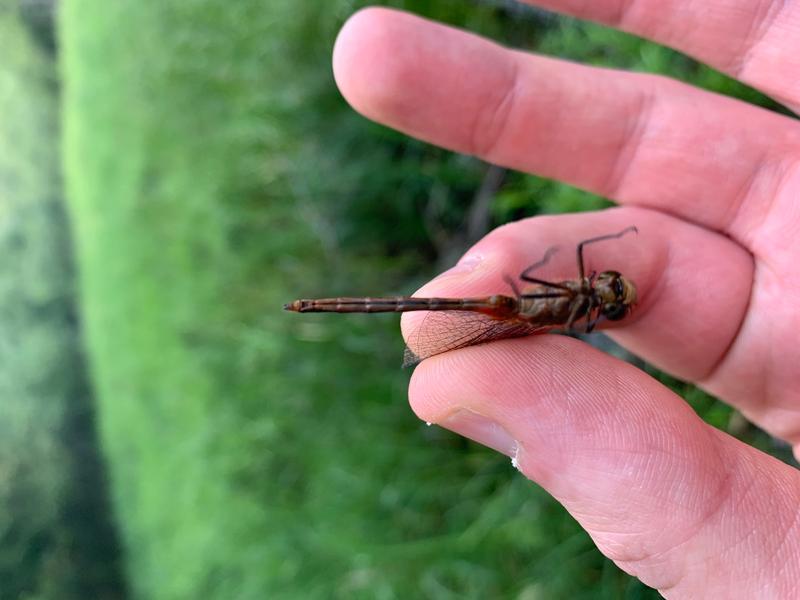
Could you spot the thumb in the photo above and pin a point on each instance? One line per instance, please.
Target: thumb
(684, 507)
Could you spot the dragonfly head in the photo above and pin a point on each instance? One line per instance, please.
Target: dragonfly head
(617, 295)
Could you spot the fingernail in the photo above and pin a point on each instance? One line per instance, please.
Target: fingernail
(469, 262)
(480, 429)
(465, 265)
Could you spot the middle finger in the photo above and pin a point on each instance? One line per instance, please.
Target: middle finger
(693, 284)
(636, 138)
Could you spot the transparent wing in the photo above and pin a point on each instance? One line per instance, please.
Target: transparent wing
(441, 331)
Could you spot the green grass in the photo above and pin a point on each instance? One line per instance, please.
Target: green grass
(55, 537)
(213, 174)
(32, 407)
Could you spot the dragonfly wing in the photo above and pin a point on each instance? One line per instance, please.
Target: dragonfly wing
(441, 331)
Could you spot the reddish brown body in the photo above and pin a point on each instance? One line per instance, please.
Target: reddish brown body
(535, 309)
(536, 305)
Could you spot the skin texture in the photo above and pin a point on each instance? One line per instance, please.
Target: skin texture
(713, 185)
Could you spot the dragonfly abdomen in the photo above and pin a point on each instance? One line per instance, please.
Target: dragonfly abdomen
(402, 304)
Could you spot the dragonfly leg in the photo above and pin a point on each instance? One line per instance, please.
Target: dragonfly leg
(525, 275)
(578, 310)
(601, 238)
(513, 285)
(546, 295)
(545, 259)
(592, 322)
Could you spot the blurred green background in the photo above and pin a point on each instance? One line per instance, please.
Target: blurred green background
(170, 174)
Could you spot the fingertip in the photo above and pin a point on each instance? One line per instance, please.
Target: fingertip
(369, 60)
(499, 380)
(421, 77)
(430, 400)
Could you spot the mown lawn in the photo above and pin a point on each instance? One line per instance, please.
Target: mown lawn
(256, 453)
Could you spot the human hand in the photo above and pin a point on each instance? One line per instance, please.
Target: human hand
(713, 185)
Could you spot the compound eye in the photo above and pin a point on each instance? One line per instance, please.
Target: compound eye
(618, 289)
(614, 311)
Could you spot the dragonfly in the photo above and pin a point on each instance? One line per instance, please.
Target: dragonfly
(539, 306)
